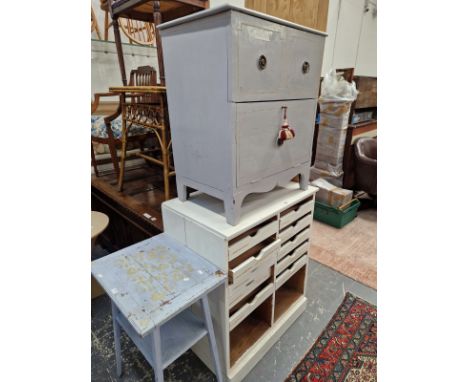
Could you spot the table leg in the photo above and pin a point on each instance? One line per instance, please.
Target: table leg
(211, 337)
(117, 332)
(158, 366)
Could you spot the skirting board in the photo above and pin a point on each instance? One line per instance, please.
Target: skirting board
(259, 349)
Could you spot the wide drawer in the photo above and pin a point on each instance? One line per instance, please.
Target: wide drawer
(286, 274)
(258, 235)
(272, 61)
(295, 228)
(250, 306)
(257, 127)
(292, 257)
(266, 257)
(293, 243)
(296, 212)
(247, 284)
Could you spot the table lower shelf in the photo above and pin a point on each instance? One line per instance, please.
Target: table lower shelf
(177, 336)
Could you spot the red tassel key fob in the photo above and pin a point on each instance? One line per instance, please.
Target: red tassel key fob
(285, 132)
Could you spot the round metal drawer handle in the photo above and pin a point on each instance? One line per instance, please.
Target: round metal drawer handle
(262, 62)
(305, 67)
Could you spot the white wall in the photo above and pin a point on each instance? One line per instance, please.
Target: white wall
(352, 37)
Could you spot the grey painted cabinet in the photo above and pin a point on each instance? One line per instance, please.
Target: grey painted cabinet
(229, 73)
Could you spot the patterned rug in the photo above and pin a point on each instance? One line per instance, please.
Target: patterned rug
(346, 351)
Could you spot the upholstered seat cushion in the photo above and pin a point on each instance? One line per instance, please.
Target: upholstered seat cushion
(98, 127)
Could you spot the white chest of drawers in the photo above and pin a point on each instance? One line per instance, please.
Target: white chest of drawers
(229, 72)
(266, 259)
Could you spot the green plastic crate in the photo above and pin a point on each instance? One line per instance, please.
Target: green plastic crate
(334, 216)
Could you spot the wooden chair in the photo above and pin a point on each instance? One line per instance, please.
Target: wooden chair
(146, 106)
(94, 24)
(138, 32)
(108, 130)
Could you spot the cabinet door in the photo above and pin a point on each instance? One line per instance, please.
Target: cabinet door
(257, 70)
(304, 53)
(257, 127)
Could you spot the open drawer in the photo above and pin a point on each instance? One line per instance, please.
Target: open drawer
(253, 259)
(296, 227)
(247, 283)
(290, 271)
(292, 257)
(252, 237)
(250, 303)
(295, 212)
(294, 242)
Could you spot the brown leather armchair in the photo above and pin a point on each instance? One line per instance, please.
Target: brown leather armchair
(365, 165)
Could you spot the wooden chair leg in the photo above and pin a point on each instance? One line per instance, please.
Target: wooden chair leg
(93, 160)
(166, 174)
(123, 153)
(113, 150)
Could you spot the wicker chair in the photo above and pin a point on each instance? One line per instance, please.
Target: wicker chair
(108, 129)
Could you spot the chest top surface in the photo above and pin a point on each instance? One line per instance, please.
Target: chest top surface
(228, 8)
(155, 279)
(209, 211)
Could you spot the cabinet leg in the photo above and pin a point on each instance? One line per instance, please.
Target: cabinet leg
(232, 210)
(181, 190)
(158, 366)
(304, 179)
(117, 333)
(212, 338)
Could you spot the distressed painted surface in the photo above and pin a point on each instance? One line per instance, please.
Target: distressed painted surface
(154, 280)
(326, 289)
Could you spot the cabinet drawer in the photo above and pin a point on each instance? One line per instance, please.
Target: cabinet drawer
(296, 212)
(250, 306)
(292, 257)
(292, 61)
(252, 238)
(295, 228)
(293, 243)
(283, 277)
(303, 63)
(247, 284)
(253, 80)
(266, 257)
(257, 127)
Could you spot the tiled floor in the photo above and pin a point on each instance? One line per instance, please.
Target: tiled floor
(326, 290)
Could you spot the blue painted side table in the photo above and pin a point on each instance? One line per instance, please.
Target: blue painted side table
(152, 285)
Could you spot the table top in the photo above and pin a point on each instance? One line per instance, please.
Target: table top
(154, 280)
(137, 89)
(99, 222)
(144, 10)
(208, 211)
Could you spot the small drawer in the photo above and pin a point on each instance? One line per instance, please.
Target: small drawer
(295, 228)
(292, 257)
(247, 284)
(266, 257)
(252, 237)
(294, 213)
(250, 306)
(283, 277)
(293, 243)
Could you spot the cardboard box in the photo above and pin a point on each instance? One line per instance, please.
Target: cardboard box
(336, 179)
(330, 149)
(330, 194)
